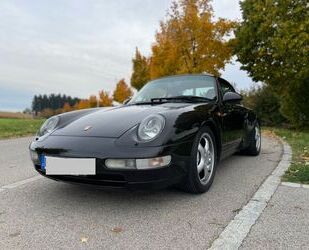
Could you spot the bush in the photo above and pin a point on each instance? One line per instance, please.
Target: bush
(46, 113)
(265, 103)
(295, 104)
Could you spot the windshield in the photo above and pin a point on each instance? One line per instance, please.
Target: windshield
(177, 86)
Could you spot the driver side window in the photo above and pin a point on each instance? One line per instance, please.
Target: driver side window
(225, 86)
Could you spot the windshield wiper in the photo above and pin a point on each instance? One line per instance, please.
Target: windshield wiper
(140, 103)
(187, 98)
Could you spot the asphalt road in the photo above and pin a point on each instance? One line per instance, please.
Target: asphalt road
(45, 214)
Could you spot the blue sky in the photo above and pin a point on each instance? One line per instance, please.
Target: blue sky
(79, 47)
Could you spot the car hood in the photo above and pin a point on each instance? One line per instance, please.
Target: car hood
(115, 121)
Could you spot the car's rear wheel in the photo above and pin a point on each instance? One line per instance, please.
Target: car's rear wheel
(255, 141)
(203, 162)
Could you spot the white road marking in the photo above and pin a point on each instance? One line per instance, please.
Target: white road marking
(237, 230)
(20, 183)
(295, 185)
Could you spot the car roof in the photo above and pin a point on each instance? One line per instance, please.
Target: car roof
(196, 74)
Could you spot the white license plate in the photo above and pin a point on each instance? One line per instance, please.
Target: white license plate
(69, 166)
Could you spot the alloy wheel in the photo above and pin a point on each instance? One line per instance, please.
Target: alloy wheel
(205, 158)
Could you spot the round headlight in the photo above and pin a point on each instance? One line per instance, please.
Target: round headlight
(49, 126)
(151, 127)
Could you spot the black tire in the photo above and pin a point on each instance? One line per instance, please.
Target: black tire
(193, 183)
(254, 147)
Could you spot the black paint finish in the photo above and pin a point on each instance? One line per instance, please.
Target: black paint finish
(113, 134)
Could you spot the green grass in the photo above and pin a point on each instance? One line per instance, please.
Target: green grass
(10, 128)
(299, 141)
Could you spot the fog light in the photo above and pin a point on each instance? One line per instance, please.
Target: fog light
(149, 163)
(120, 163)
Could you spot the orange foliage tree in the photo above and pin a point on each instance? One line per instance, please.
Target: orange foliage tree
(82, 104)
(122, 91)
(188, 41)
(93, 102)
(105, 99)
(67, 107)
(140, 75)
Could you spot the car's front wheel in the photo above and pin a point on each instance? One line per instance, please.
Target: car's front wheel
(203, 162)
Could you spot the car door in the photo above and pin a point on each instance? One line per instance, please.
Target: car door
(232, 119)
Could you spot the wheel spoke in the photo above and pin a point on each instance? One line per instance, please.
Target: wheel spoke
(201, 149)
(201, 165)
(206, 147)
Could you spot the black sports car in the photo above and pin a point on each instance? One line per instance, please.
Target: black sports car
(173, 131)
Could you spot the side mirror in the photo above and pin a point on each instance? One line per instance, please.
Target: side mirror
(232, 97)
(126, 101)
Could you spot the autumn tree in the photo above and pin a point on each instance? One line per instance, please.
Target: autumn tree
(190, 41)
(66, 107)
(141, 74)
(82, 104)
(122, 91)
(273, 46)
(105, 99)
(93, 102)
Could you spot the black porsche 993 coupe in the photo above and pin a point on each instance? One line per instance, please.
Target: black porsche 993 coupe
(174, 131)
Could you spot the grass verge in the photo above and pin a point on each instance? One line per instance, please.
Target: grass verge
(299, 141)
(18, 127)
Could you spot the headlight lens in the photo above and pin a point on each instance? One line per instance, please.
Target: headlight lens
(49, 126)
(151, 127)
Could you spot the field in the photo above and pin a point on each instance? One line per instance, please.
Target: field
(299, 141)
(18, 115)
(12, 127)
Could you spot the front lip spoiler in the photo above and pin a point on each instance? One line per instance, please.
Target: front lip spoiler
(116, 184)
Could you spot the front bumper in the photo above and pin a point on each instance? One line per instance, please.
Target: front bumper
(147, 179)
(103, 148)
